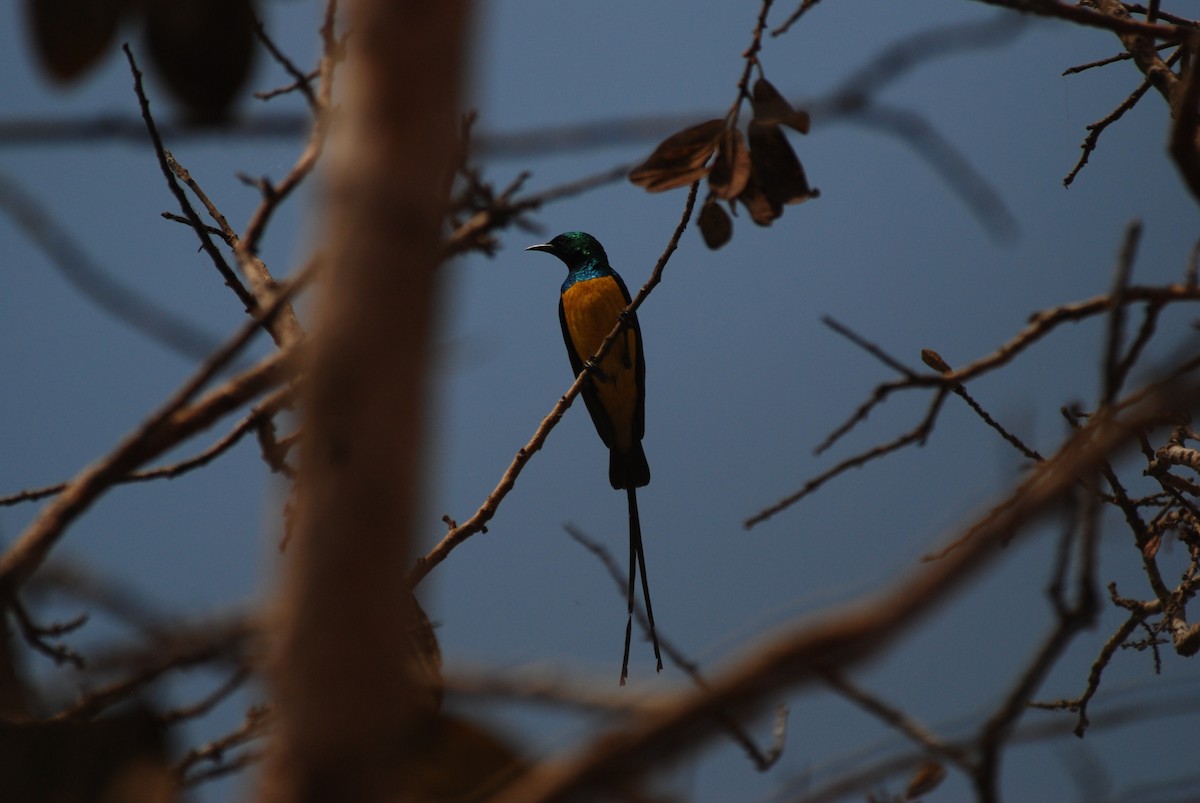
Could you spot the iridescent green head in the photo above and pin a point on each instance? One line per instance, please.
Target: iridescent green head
(575, 248)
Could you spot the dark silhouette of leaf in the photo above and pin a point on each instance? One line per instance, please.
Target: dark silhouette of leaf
(203, 50)
(773, 108)
(762, 209)
(715, 226)
(775, 168)
(123, 756)
(457, 760)
(71, 35)
(731, 169)
(680, 159)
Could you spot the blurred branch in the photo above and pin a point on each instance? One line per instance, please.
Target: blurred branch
(170, 425)
(121, 302)
(1083, 15)
(841, 638)
(858, 773)
(38, 637)
(256, 725)
(354, 674)
(258, 417)
(187, 647)
(1185, 132)
(852, 101)
(763, 760)
(895, 718)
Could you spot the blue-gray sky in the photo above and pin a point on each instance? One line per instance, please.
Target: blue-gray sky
(743, 380)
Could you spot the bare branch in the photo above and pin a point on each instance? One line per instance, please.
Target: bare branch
(838, 640)
(173, 423)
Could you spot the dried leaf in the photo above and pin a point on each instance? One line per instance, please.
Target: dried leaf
(775, 167)
(71, 35)
(762, 209)
(679, 159)
(731, 169)
(1150, 548)
(773, 108)
(715, 226)
(203, 50)
(927, 778)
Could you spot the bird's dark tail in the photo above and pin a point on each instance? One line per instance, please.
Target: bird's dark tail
(637, 562)
(628, 469)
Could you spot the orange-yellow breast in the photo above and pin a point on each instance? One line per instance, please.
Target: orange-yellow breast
(590, 309)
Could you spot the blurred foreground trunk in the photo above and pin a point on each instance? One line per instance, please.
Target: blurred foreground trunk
(351, 695)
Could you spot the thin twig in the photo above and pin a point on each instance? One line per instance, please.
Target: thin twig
(840, 639)
(916, 435)
(193, 651)
(800, 11)
(302, 81)
(172, 423)
(253, 421)
(121, 302)
(208, 702)
(763, 760)
(258, 720)
(1114, 378)
(897, 719)
(36, 636)
(1080, 704)
(245, 296)
(1097, 128)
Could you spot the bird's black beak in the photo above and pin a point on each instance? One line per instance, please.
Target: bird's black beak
(547, 247)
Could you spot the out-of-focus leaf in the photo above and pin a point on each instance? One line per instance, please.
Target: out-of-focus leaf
(771, 107)
(762, 210)
(927, 778)
(774, 166)
(715, 226)
(71, 35)
(679, 159)
(427, 655)
(122, 756)
(458, 760)
(203, 51)
(731, 169)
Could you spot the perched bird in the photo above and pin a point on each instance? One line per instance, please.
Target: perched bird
(593, 298)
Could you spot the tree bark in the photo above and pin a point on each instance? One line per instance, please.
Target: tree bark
(351, 694)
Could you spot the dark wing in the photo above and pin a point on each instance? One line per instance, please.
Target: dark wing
(639, 416)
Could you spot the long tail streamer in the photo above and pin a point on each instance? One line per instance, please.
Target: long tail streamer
(637, 562)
